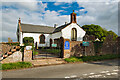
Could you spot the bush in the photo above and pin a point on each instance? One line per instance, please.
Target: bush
(16, 65)
(14, 44)
(73, 59)
(35, 52)
(28, 41)
(92, 58)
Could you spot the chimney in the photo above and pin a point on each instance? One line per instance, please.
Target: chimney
(65, 23)
(55, 25)
(19, 21)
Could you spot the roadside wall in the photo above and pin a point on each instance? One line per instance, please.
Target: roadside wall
(18, 57)
(5, 48)
(15, 57)
(78, 50)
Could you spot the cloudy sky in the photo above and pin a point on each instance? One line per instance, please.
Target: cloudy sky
(49, 13)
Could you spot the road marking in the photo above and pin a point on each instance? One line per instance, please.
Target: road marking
(92, 73)
(67, 77)
(104, 76)
(97, 75)
(115, 70)
(73, 76)
(91, 76)
(85, 74)
(104, 71)
(114, 73)
(108, 74)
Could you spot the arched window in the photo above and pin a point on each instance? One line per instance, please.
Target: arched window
(74, 34)
(42, 39)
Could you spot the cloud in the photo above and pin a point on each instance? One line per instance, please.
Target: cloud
(102, 14)
(57, 3)
(105, 15)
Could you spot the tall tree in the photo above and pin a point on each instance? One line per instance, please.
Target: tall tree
(98, 31)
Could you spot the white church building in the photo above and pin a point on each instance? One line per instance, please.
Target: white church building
(44, 35)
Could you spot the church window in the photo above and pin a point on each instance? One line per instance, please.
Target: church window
(74, 34)
(42, 39)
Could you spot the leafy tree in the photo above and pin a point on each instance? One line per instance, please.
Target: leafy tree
(28, 40)
(113, 34)
(98, 31)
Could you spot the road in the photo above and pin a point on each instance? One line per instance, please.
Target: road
(99, 69)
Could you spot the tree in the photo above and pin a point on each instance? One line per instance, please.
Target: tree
(113, 34)
(98, 31)
(28, 40)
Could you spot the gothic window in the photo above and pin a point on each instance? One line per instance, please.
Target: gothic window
(74, 34)
(42, 39)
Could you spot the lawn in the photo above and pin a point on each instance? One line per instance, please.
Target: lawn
(54, 51)
(92, 58)
(17, 65)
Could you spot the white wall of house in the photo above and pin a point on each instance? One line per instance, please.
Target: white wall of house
(20, 37)
(66, 32)
(36, 38)
(56, 35)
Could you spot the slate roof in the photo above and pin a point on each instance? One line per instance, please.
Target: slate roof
(36, 28)
(41, 28)
(61, 27)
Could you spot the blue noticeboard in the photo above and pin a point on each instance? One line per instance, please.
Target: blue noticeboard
(67, 45)
(85, 43)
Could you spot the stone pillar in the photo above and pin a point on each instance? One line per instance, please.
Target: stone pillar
(27, 55)
(66, 48)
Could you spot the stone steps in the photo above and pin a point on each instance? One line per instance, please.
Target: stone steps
(44, 62)
(10, 52)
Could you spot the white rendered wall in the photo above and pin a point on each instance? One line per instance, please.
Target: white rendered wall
(36, 38)
(66, 32)
(56, 35)
(21, 38)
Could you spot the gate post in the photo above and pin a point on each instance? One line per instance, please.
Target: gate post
(65, 48)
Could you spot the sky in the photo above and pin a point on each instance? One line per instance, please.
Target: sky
(103, 13)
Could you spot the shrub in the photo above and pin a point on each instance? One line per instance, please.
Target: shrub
(16, 65)
(35, 52)
(28, 41)
(92, 58)
(14, 44)
(73, 59)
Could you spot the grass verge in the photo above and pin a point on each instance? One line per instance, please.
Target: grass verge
(35, 52)
(92, 58)
(17, 65)
(55, 51)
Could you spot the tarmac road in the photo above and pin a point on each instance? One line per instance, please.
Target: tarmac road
(99, 69)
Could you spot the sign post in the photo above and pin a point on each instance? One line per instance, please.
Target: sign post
(85, 44)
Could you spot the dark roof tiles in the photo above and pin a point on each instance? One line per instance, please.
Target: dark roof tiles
(36, 28)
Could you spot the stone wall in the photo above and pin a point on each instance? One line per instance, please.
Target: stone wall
(15, 57)
(27, 55)
(76, 48)
(109, 48)
(5, 48)
(18, 57)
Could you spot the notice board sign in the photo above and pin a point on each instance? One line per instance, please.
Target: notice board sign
(85, 43)
(54, 45)
(67, 45)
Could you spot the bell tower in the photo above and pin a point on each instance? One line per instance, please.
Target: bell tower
(73, 17)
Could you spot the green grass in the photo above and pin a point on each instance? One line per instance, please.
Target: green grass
(92, 58)
(35, 52)
(55, 51)
(17, 65)
(73, 59)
